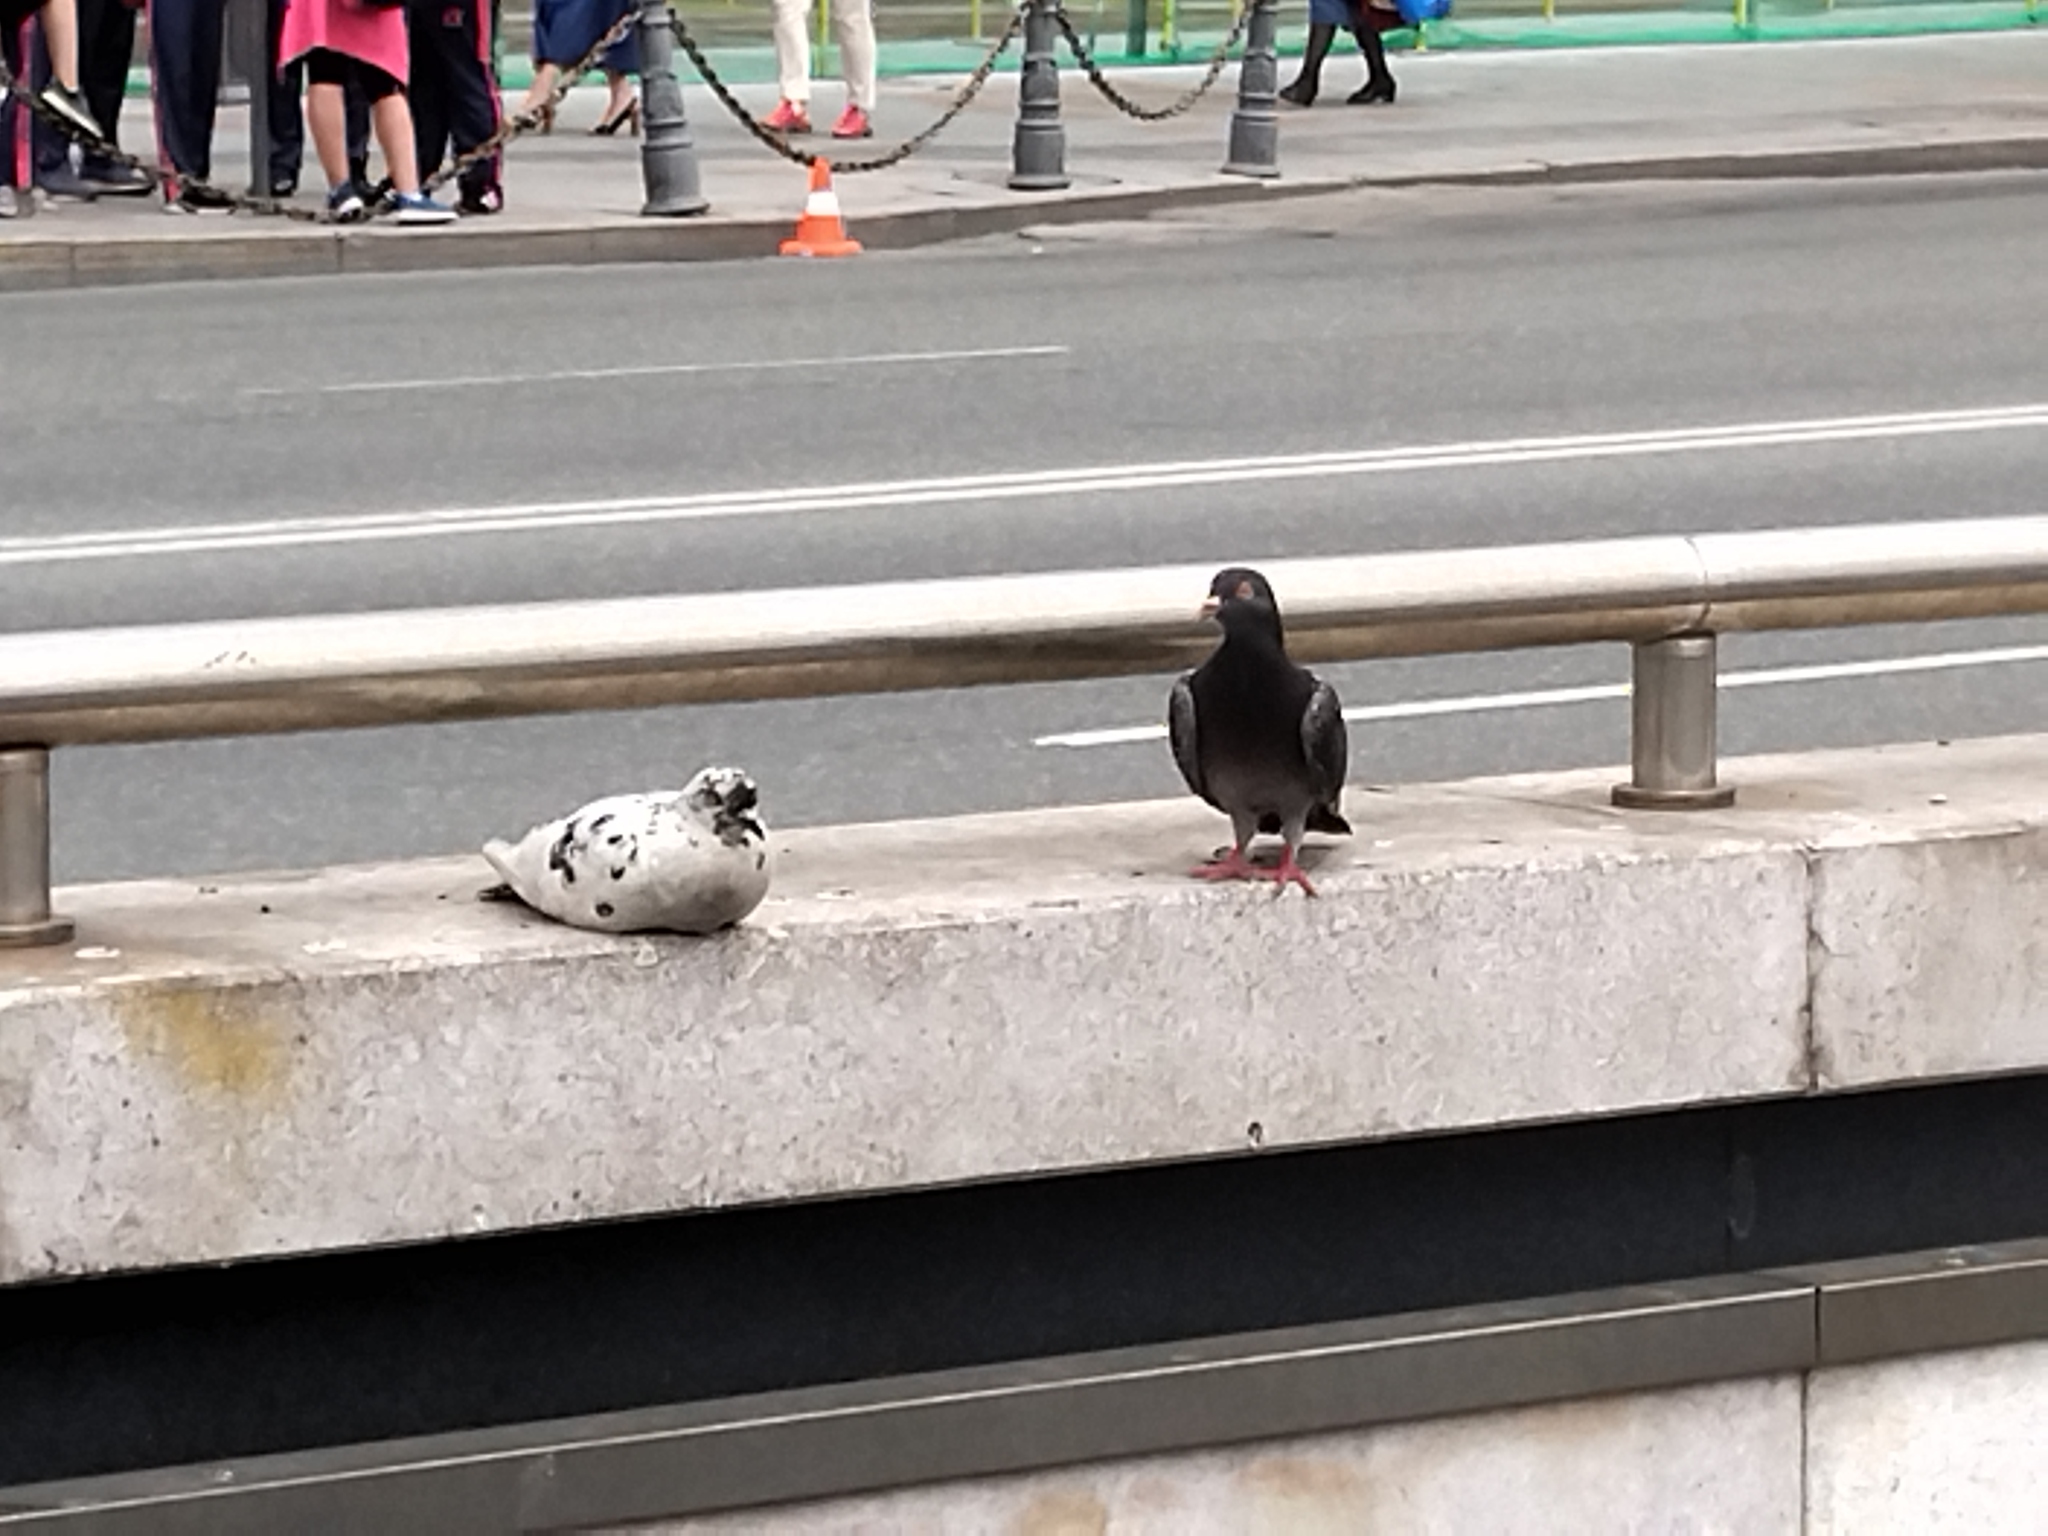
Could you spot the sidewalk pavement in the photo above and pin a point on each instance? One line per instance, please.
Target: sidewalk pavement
(1867, 107)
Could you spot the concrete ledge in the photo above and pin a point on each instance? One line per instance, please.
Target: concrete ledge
(270, 1065)
(279, 250)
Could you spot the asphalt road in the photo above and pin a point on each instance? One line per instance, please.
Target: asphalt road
(214, 451)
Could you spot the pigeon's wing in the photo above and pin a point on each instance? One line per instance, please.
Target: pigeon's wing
(1180, 730)
(1325, 745)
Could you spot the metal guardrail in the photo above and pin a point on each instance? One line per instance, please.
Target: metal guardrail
(1667, 596)
(680, 1460)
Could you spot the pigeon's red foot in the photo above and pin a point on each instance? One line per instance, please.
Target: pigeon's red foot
(1289, 873)
(1233, 866)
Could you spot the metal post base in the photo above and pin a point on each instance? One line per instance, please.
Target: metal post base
(668, 157)
(1672, 728)
(1038, 149)
(1255, 125)
(25, 916)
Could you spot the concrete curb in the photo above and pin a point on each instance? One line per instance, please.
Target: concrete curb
(28, 265)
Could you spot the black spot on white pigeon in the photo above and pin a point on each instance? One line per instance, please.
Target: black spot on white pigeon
(1257, 737)
(693, 861)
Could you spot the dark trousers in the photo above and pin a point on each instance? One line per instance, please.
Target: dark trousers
(454, 94)
(184, 70)
(106, 41)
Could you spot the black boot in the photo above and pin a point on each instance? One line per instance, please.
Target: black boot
(1379, 80)
(1302, 90)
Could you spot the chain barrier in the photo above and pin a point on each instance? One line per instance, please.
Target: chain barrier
(805, 157)
(1138, 110)
(377, 198)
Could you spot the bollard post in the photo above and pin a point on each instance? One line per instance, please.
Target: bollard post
(1255, 124)
(25, 916)
(668, 159)
(1038, 152)
(1672, 708)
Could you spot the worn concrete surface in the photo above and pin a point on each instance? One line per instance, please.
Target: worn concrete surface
(1714, 1458)
(358, 1056)
(1913, 976)
(1952, 1442)
(1849, 107)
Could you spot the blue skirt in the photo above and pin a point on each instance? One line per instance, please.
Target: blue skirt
(565, 30)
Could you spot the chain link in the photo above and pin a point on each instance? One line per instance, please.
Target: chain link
(910, 146)
(1179, 104)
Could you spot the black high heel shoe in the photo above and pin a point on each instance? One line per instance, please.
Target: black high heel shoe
(1301, 92)
(1371, 92)
(629, 114)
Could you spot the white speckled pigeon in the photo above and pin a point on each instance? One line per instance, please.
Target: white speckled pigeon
(692, 862)
(1256, 736)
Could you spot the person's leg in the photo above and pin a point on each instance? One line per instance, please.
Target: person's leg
(60, 38)
(286, 117)
(325, 118)
(1379, 80)
(427, 94)
(1301, 91)
(391, 121)
(853, 25)
(793, 54)
(471, 105)
(355, 117)
(184, 67)
(106, 42)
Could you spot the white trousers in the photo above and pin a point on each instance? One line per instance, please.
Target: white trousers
(853, 28)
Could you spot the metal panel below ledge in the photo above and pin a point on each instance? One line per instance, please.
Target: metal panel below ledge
(782, 1447)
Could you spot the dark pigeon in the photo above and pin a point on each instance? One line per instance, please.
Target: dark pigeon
(1256, 736)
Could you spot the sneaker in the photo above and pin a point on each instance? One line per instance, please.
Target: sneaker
(788, 117)
(853, 124)
(112, 180)
(283, 185)
(481, 200)
(70, 108)
(10, 205)
(418, 208)
(345, 205)
(62, 180)
(198, 197)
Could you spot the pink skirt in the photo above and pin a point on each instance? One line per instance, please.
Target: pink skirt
(373, 33)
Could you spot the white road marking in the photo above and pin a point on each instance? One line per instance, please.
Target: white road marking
(660, 370)
(1536, 698)
(1020, 485)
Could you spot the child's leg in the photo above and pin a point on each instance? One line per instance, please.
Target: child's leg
(392, 120)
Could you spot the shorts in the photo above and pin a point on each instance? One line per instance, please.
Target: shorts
(326, 67)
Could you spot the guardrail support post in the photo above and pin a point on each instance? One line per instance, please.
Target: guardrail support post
(1038, 152)
(1255, 125)
(668, 157)
(25, 917)
(1672, 706)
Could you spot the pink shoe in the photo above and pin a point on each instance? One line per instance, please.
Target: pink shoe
(853, 124)
(787, 117)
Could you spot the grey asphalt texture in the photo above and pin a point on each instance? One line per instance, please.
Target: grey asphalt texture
(1366, 320)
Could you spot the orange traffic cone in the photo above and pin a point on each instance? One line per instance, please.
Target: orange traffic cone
(818, 230)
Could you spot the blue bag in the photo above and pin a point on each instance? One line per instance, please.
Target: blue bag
(1415, 11)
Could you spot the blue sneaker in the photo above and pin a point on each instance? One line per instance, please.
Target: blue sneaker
(418, 208)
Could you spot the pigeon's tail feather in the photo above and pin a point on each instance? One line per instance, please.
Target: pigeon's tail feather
(1324, 818)
(500, 855)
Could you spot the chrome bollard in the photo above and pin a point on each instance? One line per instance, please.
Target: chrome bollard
(668, 158)
(1038, 150)
(1673, 722)
(25, 916)
(1255, 124)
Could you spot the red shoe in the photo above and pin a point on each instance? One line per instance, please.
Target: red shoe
(787, 117)
(853, 124)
